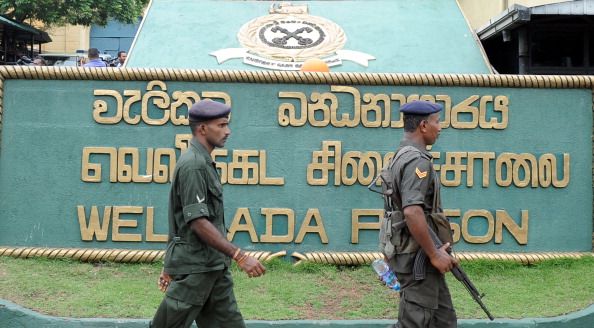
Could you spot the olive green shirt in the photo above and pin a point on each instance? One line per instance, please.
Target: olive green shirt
(196, 193)
(416, 182)
(416, 187)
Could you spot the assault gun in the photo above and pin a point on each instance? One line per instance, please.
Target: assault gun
(457, 271)
(421, 257)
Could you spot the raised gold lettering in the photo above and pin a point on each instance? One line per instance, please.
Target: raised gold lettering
(270, 214)
(100, 107)
(317, 228)
(91, 172)
(118, 223)
(150, 227)
(519, 232)
(93, 227)
(357, 225)
(473, 214)
(242, 213)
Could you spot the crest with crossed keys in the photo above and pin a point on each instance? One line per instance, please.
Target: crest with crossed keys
(286, 35)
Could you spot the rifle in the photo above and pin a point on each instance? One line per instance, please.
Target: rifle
(456, 271)
(421, 257)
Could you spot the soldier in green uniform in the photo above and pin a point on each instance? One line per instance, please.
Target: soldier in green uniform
(196, 279)
(425, 301)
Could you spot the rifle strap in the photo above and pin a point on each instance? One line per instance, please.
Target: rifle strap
(420, 264)
(395, 201)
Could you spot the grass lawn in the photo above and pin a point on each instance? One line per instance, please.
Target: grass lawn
(308, 291)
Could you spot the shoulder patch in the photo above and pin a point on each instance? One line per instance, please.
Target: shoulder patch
(420, 174)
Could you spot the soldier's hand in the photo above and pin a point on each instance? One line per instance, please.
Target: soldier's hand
(252, 267)
(164, 281)
(442, 261)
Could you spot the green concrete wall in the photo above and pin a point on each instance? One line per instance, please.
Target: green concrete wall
(423, 36)
(12, 315)
(47, 124)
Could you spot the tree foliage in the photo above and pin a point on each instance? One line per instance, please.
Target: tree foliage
(75, 12)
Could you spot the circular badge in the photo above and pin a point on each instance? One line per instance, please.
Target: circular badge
(291, 37)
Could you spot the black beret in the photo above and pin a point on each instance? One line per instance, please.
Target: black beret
(420, 107)
(206, 110)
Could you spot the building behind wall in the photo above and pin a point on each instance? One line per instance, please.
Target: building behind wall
(19, 41)
(540, 42)
(67, 39)
(478, 12)
(113, 37)
(536, 37)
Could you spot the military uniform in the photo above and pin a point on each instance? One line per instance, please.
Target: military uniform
(426, 302)
(201, 289)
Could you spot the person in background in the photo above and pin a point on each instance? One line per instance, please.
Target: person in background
(121, 58)
(38, 61)
(94, 60)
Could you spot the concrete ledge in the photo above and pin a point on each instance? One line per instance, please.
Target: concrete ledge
(12, 315)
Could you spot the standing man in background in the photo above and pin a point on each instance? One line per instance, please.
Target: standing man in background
(121, 58)
(196, 275)
(38, 61)
(94, 60)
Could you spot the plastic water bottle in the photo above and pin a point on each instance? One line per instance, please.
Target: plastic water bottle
(388, 277)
